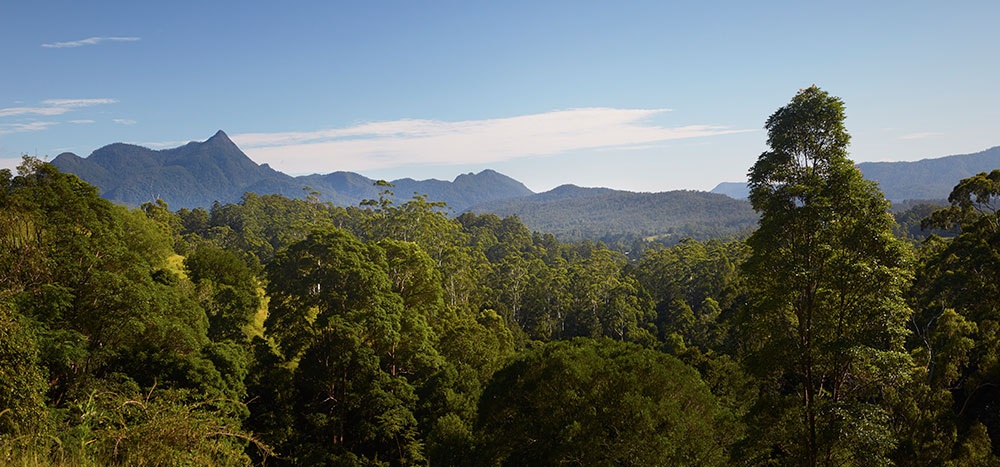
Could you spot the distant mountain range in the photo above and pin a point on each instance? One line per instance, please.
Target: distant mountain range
(927, 179)
(198, 174)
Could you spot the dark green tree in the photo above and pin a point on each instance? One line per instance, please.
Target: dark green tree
(826, 321)
(600, 402)
(957, 296)
(227, 289)
(169, 221)
(607, 303)
(259, 226)
(696, 288)
(22, 383)
(96, 311)
(362, 356)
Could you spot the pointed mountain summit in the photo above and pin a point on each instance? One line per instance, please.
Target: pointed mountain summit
(199, 173)
(219, 145)
(196, 174)
(220, 137)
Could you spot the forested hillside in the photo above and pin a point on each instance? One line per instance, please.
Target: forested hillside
(573, 213)
(281, 331)
(928, 178)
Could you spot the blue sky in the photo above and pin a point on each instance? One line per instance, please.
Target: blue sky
(644, 96)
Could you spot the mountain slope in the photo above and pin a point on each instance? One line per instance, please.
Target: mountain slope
(573, 213)
(192, 175)
(929, 179)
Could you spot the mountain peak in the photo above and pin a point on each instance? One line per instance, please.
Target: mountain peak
(221, 137)
(220, 142)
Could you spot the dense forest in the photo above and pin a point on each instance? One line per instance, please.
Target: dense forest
(283, 331)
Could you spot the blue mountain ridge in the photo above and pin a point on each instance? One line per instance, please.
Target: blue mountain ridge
(926, 179)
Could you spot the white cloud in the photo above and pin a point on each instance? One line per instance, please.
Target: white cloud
(76, 103)
(8, 128)
(81, 121)
(54, 107)
(124, 121)
(921, 135)
(12, 111)
(89, 41)
(379, 145)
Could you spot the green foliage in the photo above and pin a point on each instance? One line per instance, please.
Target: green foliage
(93, 309)
(96, 292)
(259, 226)
(126, 428)
(956, 294)
(696, 288)
(388, 334)
(168, 221)
(363, 348)
(329, 274)
(269, 384)
(973, 205)
(227, 290)
(160, 428)
(350, 405)
(826, 319)
(605, 303)
(22, 384)
(911, 223)
(599, 402)
(976, 450)
(474, 349)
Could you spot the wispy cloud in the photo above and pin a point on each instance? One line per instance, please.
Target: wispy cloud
(75, 103)
(124, 121)
(8, 128)
(89, 41)
(12, 111)
(82, 121)
(921, 135)
(54, 107)
(378, 145)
